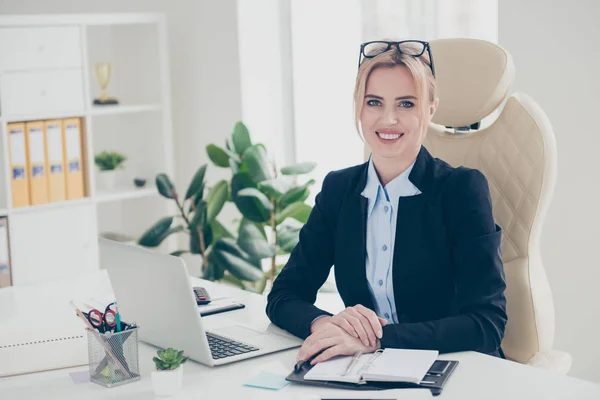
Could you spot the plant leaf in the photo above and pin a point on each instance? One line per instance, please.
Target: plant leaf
(240, 138)
(298, 211)
(178, 253)
(255, 158)
(216, 198)
(288, 237)
(219, 230)
(151, 238)
(250, 207)
(197, 182)
(215, 271)
(218, 156)
(258, 195)
(237, 266)
(165, 186)
(234, 165)
(298, 169)
(252, 241)
(274, 188)
(199, 215)
(293, 195)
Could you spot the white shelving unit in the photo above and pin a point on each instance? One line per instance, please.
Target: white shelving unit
(54, 240)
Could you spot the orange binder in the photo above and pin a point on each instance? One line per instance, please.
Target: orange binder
(73, 158)
(17, 149)
(57, 185)
(36, 158)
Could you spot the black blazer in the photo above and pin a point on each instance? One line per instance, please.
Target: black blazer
(447, 267)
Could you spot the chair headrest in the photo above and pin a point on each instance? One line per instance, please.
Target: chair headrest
(473, 79)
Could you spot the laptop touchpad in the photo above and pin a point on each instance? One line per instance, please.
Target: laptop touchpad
(239, 332)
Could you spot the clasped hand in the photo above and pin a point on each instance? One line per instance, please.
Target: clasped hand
(356, 329)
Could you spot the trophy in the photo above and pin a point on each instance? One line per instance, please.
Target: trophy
(102, 73)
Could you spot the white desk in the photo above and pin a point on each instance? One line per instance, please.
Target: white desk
(477, 376)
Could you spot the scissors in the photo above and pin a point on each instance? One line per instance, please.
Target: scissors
(103, 322)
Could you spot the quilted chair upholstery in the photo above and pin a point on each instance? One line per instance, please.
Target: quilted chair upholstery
(517, 154)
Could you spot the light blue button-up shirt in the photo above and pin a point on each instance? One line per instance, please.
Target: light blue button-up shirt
(381, 234)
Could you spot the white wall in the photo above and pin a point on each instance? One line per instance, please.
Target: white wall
(266, 68)
(325, 64)
(555, 49)
(204, 64)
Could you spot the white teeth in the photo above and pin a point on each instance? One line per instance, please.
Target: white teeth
(389, 136)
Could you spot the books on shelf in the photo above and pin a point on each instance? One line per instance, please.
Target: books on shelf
(17, 150)
(36, 160)
(57, 185)
(46, 161)
(73, 158)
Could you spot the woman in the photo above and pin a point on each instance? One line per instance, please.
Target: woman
(413, 240)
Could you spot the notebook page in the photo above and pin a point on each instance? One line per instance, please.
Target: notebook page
(333, 369)
(400, 365)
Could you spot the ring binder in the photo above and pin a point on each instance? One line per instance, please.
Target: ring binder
(433, 382)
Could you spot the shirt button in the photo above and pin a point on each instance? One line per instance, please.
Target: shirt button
(387, 315)
(384, 248)
(386, 208)
(380, 282)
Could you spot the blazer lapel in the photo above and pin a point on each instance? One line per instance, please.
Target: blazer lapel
(411, 214)
(352, 228)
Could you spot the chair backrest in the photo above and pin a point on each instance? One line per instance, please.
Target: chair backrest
(517, 154)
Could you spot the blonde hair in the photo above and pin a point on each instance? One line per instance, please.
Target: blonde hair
(418, 67)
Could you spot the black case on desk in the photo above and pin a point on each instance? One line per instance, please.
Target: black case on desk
(439, 379)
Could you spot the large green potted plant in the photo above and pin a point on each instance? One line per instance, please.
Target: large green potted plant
(271, 205)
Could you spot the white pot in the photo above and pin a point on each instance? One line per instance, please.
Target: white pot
(167, 383)
(108, 179)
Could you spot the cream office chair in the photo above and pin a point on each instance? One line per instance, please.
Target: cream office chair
(517, 154)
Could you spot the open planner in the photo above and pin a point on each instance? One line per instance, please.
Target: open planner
(384, 369)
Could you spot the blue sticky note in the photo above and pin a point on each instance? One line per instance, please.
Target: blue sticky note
(267, 380)
(80, 376)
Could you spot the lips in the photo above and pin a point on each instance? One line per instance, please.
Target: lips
(389, 135)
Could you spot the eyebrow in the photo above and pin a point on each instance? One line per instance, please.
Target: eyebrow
(397, 98)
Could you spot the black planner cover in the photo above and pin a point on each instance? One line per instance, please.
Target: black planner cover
(439, 380)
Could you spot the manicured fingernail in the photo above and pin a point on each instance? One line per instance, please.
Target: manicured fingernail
(379, 334)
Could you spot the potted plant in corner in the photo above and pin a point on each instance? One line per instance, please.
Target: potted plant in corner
(108, 162)
(168, 377)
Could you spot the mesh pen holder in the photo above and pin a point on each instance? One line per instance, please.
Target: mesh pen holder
(113, 357)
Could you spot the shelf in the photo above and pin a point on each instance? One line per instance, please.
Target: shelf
(123, 109)
(3, 212)
(95, 110)
(105, 196)
(48, 206)
(43, 116)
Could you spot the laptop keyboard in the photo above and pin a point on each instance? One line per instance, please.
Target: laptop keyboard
(222, 348)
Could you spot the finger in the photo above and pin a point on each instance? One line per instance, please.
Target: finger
(317, 346)
(327, 354)
(358, 327)
(383, 321)
(366, 325)
(372, 318)
(345, 325)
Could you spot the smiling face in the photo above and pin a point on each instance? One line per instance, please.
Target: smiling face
(391, 119)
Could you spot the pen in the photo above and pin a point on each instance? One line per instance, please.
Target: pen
(353, 362)
(118, 319)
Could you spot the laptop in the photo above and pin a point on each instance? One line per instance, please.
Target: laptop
(154, 291)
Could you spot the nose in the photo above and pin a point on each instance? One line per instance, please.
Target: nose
(389, 117)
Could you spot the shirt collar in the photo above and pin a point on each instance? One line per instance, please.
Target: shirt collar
(400, 186)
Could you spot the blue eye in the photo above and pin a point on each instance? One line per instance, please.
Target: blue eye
(406, 104)
(373, 103)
